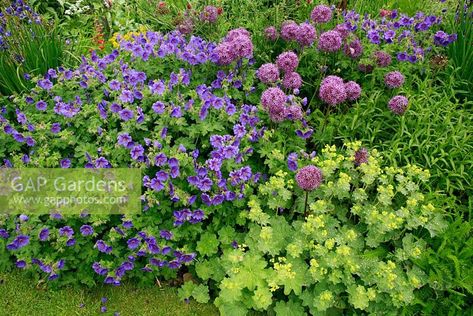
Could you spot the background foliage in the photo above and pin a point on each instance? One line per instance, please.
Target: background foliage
(253, 254)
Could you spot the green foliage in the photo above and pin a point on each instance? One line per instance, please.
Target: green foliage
(379, 238)
(199, 292)
(450, 274)
(208, 244)
(442, 143)
(461, 51)
(371, 221)
(35, 49)
(289, 308)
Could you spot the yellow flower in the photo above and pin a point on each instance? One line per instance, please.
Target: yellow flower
(326, 295)
(330, 243)
(343, 250)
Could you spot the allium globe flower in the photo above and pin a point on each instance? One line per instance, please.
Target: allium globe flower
(354, 49)
(273, 98)
(233, 34)
(306, 34)
(277, 112)
(321, 14)
(209, 14)
(243, 46)
(309, 178)
(398, 104)
(292, 80)
(330, 41)
(225, 52)
(186, 26)
(353, 90)
(237, 44)
(382, 59)
(394, 79)
(287, 61)
(294, 112)
(332, 90)
(271, 33)
(343, 30)
(366, 68)
(268, 73)
(361, 156)
(289, 30)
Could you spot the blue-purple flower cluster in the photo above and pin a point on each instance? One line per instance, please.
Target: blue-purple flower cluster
(144, 248)
(120, 98)
(413, 33)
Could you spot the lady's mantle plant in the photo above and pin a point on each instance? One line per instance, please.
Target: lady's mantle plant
(357, 248)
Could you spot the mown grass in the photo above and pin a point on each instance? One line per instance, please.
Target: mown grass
(19, 296)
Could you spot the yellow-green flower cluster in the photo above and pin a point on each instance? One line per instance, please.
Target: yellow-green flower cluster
(348, 249)
(278, 190)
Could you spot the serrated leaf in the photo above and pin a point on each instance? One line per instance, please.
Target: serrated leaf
(201, 293)
(289, 308)
(208, 244)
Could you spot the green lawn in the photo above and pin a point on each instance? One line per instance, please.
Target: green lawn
(19, 296)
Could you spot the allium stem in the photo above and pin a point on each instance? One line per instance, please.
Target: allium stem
(305, 203)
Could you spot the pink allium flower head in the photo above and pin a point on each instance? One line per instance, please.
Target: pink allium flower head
(309, 178)
(361, 156)
(354, 49)
(334, 79)
(289, 30)
(394, 79)
(271, 33)
(332, 90)
(382, 59)
(232, 34)
(343, 30)
(306, 34)
(330, 41)
(384, 12)
(243, 46)
(287, 61)
(273, 98)
(277, 112)
(366, 68)
(225, 52)
(294, 112)
(398, 104)
(321, 14)
(353, 90)
(292, 80)
(186, 26)
(209, 14)
(268, 73)
(237, 44)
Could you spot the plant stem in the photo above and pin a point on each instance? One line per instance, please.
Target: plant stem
(305, 203)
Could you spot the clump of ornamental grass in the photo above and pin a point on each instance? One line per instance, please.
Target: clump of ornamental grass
(23, 33)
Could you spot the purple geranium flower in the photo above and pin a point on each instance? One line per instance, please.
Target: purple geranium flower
(133, 243)
(86, 230)
(66, 231)
(45, 84)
